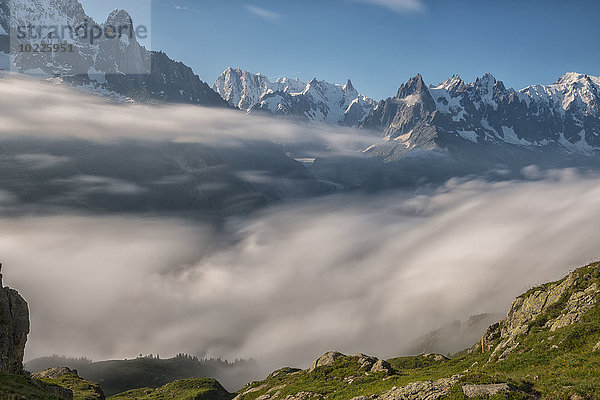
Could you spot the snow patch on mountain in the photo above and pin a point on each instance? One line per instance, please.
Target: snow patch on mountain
(570, 90)
(564, 115)
(314, 101)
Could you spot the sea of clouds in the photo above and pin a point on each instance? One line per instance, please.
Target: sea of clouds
(350, 272)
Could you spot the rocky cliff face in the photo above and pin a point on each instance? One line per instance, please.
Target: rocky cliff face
(564, 115)
(4, 38)
(549, 307)
(314, 101)
(14, 328)
(115, 67)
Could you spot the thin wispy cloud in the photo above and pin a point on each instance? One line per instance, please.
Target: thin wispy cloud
(260, 12)
(399, 6)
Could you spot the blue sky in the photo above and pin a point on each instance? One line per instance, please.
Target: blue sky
(379, 44)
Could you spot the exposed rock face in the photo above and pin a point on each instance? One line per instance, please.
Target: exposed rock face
(425, 390)
(314, 101)
(373, 364)
(14, 328)
(326, 359)
(368, 363)
(569, 299)
(492, 333)
(382, 366)
(304, 396)
(472, 391)
(579, 303)
(168, 81)
(456, 116)
(119, 66)
(522, 312)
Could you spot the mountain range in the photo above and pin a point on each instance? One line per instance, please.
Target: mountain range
(314, 101)
(423, 134)
(121, 69)
(565, 114)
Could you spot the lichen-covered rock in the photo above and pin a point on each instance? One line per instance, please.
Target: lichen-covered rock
(14, 328)
(492, 333)
(555, 305)
(436, 357)
(373, 364)
(366, 361)
(526, 309)
(382, 366)
(304, 396)
(326, 359)
(472, 391)
(423, 390)
(579, 303)
(523, 311)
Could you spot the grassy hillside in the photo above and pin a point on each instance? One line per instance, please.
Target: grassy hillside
(117, 376)
(547, 347)
(82, 389)
(187, 389)
(532, 353)
(21, 387)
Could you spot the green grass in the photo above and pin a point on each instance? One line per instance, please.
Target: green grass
(117, 376)
(82, 389)
(21, 387)
(186, 389)
(333, 383)
(535, 368)
(546, 365)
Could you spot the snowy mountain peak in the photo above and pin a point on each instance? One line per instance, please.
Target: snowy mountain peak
(348, 87)
(451, 84)
(486, 84)
(4, 23)
(572, 78)
(564, 115)
(313, 101)
(415, 85)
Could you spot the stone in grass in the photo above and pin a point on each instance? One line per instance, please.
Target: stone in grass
(472, 391)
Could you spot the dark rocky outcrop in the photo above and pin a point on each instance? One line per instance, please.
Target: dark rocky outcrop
(14, 328)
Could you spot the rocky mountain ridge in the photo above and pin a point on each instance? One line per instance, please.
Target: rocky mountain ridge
(564, 115)
(315, 101)
(119, 68)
